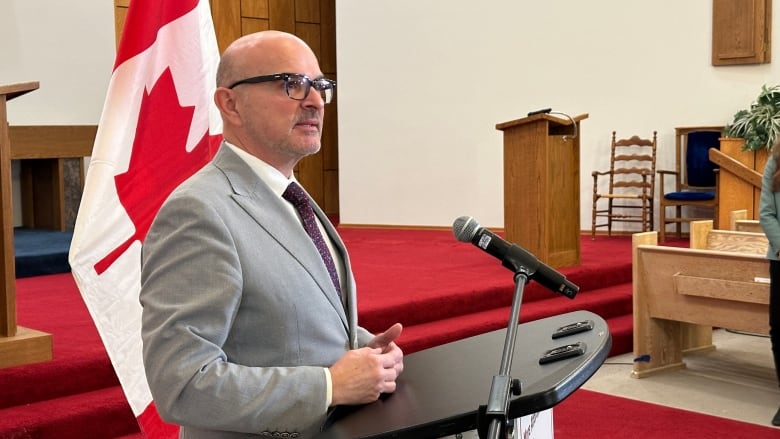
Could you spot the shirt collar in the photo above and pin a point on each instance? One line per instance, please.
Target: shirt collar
(270, 175)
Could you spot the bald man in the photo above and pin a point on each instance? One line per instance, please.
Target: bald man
(246, 331)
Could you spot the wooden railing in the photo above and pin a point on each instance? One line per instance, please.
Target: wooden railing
(728, 164)
(739, 183)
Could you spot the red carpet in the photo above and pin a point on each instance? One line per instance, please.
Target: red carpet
(404, 275)
(593, 415)
(441, 289)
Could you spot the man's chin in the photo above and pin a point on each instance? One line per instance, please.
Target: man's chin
(307, 150)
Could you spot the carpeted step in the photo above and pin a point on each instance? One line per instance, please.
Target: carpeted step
(100, 414)
(58, 378)
(53, 304)
(443, 278)
(432, 295)
(622, 330)
(609, 303)
(469, 296)
(39, 252)
(416, 338)
(75, 416)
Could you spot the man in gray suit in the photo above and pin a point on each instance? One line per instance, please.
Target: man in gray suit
(245, 332)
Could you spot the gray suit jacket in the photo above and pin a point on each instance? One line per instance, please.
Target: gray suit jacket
(239, 313)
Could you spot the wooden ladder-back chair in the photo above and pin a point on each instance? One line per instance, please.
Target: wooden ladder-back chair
(694, 183)
(629, 195)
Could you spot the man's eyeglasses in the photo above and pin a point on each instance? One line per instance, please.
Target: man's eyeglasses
(296, 85)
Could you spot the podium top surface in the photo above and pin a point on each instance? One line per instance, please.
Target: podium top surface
(552, 118)
(442, 389)
(13, 90)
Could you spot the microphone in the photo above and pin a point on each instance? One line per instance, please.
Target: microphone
(542, 111)
(512, 256)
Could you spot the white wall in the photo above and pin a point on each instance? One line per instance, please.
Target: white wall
(422, 85)
(68, 47)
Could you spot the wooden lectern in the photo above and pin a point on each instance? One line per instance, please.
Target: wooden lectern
(18, 345)
(542, 186)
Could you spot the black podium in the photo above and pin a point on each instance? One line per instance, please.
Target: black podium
(442, 388)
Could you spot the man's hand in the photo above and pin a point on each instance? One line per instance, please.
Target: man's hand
(362, 375)
(385, 341)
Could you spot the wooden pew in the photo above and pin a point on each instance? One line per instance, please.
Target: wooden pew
(680, 294)
(739, 221)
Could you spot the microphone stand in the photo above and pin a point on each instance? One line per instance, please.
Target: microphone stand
(503, 386)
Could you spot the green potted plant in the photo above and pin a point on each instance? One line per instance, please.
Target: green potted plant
(759, 125)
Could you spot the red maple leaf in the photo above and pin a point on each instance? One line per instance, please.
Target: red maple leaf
(159, 161)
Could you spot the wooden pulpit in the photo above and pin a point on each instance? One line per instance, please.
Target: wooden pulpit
(18, 345)
(542, 186)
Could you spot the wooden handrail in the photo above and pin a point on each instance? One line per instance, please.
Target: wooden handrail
(725, 162)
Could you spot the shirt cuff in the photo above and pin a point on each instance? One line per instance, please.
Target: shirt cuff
(329, 387)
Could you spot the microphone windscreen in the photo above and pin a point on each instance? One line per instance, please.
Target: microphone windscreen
(465, 228)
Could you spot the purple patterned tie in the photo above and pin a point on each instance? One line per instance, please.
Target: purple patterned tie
(295, 195)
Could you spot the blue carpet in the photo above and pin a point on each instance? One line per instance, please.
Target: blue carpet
(40, 251)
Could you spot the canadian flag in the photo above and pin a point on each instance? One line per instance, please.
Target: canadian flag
(157, 128)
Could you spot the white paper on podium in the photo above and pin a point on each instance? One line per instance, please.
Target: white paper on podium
(536, 426)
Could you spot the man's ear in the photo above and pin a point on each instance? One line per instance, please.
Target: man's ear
(225, 100)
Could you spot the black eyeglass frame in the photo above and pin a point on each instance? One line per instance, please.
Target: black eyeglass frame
(319, 84)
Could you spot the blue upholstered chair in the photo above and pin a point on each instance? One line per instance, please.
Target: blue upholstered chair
(694, 179)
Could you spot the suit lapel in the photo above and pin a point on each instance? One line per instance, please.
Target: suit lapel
(269, 212)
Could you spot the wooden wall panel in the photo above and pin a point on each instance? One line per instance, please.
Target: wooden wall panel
(120, 13)
(311, 175)
(252, 25)
(310, 33)
(254, 8)
(307, 11)
(331, 188)
(315, 22)
(281, 14)
(328, 38)
(330, 136)
(227, 21)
